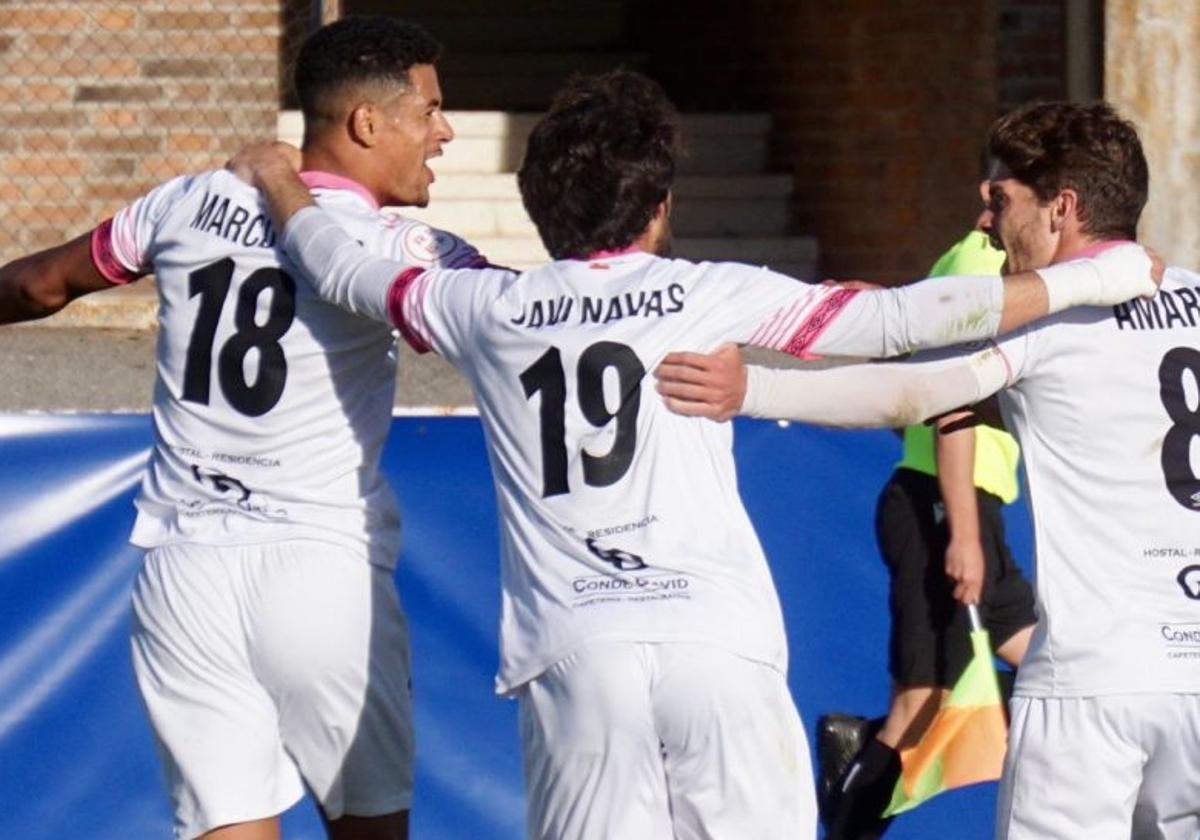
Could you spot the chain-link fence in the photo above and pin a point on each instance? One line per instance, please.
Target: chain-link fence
(101, 100)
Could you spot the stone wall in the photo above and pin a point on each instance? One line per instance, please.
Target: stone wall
(1152, 75)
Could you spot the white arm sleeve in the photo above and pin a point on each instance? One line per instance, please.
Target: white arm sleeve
(340, 270)
(937, 312)
(944, 311)
(877, 395)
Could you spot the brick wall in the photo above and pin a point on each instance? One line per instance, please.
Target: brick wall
(880, 106)
(102, 100)
(1031, 40)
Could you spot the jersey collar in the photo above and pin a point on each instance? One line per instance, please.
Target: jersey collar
(608, 255)
(316, 180)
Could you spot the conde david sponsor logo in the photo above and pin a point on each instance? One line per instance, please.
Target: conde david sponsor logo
(1181, 634)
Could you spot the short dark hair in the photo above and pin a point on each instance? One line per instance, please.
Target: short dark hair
(358, 50)
(1050, 146)
(599, 164)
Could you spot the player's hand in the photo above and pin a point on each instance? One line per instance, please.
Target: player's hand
(964, 566)
(259, 159)
(699, 385)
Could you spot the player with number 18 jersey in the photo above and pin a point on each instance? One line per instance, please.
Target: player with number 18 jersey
(271, 405)
(265, 615)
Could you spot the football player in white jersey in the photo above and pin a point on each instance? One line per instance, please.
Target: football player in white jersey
(269, 643)
(1105, 740)
(640, 627)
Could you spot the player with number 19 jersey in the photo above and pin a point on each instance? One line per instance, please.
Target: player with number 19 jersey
(619, 519)
(270, 406)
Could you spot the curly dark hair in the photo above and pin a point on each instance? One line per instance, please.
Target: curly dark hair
(357, 50)
(599, 164)
(1050, 146)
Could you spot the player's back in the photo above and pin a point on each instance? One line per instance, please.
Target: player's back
(619, 518)
(1107, 409)
(271, 406)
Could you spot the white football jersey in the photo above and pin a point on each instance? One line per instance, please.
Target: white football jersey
(1107, 409)
(270, 406)
(619, 519)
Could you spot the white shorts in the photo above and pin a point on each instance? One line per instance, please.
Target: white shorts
(268, 667)
(1102, 768)
(627, 740)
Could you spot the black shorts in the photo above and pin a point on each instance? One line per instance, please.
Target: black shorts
(930, 632)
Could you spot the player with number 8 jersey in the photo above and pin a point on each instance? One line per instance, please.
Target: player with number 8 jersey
(1105, 737)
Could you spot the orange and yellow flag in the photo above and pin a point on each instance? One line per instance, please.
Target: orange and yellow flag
(965, 743)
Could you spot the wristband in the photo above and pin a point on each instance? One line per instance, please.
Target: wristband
(1114, 276)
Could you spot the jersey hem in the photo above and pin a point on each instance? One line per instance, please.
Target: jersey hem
(507, 687)
(1093, 691)
(240, 541)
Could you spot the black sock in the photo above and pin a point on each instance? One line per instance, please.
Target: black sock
(860, 796)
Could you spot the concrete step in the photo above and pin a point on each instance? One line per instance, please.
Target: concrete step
(792, 255)
(457, 186)
(720, 215)
(490, 142)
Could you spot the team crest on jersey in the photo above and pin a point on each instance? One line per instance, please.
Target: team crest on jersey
(425, 244)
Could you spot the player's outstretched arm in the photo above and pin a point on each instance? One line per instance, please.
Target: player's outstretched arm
(1116, 273)
(43, 283)
(852, 396)
(339, 269)
(944, 311)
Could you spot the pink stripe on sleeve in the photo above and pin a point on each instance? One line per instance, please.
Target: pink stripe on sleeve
(396, 306)
(825, 314)
(1008, 369)
(105, 258)
(790, 322)
(775, 331)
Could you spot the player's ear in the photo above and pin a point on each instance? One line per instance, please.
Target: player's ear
(364, 124)
(663, 210)
(1064, 207)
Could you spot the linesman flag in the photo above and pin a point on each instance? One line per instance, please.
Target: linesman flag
(965, 743)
